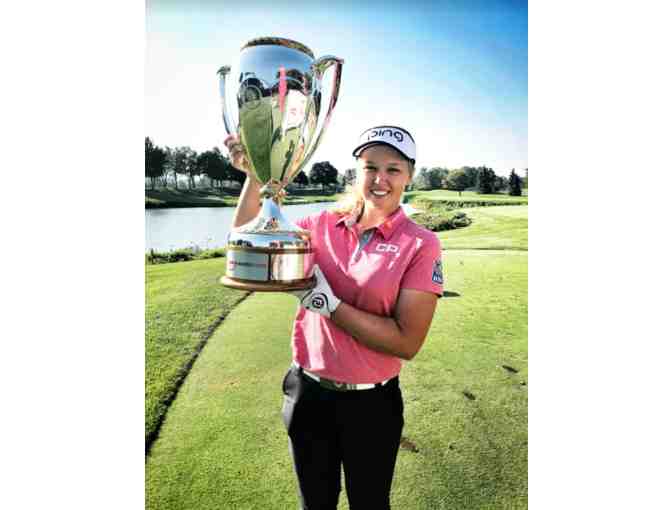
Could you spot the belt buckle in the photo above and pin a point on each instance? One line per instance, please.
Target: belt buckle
(337, 386)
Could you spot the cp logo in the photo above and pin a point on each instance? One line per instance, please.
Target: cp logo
(391, 248)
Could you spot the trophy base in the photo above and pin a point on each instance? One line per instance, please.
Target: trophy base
(270, 286)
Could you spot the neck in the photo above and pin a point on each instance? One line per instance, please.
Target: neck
(372, 216)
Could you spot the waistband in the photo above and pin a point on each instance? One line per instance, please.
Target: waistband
(336, 385)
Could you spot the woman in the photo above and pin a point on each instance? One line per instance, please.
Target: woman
(378, 280)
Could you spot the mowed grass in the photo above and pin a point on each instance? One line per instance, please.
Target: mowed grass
(492, 228)
(182, 302)
(223, 444)
(465, 196)
(465, 412)
(165, 198)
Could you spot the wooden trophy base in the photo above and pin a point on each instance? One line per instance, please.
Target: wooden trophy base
(270, 286)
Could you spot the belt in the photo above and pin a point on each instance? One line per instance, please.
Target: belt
(335, 385)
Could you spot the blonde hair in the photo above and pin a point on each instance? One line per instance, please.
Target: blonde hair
(352, 202)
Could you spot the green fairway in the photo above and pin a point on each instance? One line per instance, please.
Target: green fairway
(465, 196)
(169, 198)
(223, 444)
(183, 301)
(492, 228)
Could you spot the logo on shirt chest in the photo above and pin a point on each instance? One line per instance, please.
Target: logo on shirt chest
(387, 248)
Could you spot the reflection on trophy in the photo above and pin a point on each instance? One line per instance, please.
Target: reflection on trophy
(278, 92)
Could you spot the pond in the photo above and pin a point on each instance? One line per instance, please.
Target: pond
(206, 227)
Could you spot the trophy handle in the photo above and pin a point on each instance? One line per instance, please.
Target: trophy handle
(320, 66)
(228, 123)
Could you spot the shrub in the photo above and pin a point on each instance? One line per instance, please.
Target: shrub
(436, 222)
(182, 254)
(448, 205)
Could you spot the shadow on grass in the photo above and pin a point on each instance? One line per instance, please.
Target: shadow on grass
(447, 293)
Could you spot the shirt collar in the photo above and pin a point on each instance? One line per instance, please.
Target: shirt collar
(386, 228)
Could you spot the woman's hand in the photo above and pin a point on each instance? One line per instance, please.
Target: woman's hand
(248, 203)
(238, 154)
(320, 299)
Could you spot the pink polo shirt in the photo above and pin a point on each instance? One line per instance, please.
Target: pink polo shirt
(399, 255)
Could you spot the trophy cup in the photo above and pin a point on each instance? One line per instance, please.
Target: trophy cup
(279, 98)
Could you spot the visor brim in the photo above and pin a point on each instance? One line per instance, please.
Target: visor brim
(360, 148)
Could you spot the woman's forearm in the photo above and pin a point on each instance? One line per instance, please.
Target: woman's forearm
(401, 335)
(248, 203)
(381, 334)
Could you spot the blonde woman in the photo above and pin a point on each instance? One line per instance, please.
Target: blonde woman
(378, 280)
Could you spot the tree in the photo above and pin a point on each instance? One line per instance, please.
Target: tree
(514, 184)
(155, 159)
(421, 179)
(350, 176)
(525, 181)
(323, 173)
(437, 177)
(170, 164)
(212, 164)
(179, 164)
(301, 179)
(233, 174)
(500, 183)
(457, 180)
(191, 166)
(486, 180)
(472, 176)
(431, 179)
(185, 163)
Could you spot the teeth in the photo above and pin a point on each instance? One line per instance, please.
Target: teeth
(379, 193)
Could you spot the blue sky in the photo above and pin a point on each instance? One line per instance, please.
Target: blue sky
(453, 73)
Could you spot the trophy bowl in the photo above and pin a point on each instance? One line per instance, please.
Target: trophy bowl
(278, 93)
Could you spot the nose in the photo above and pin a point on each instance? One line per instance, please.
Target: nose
(377, 179)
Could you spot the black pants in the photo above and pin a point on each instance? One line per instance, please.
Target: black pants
(359, 429)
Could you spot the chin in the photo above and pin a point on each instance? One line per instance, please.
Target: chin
(383, 203)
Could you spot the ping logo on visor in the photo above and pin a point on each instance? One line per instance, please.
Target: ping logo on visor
(377, 133)
(394, 136)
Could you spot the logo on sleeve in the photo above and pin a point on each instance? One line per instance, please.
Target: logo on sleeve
(437, 273)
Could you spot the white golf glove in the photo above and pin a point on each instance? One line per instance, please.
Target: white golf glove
(320, 299)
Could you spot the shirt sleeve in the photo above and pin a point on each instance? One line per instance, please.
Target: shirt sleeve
(425, 271)
(311, 222)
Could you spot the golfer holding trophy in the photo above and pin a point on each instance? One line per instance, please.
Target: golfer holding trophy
(367, 277)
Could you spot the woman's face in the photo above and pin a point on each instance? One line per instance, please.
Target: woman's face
(382, 176)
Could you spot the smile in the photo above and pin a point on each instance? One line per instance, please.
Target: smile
(379, 193)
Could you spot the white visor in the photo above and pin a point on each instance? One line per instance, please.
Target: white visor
(394, 136)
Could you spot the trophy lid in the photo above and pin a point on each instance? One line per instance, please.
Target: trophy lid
(279, 41)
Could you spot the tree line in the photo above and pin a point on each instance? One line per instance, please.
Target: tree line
(481, 179)
(166, 164)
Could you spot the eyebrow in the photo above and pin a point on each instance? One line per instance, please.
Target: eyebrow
(371, 163)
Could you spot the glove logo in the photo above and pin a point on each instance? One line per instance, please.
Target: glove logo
(318, 301)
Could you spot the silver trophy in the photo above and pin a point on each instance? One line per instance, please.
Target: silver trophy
(278, 90)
